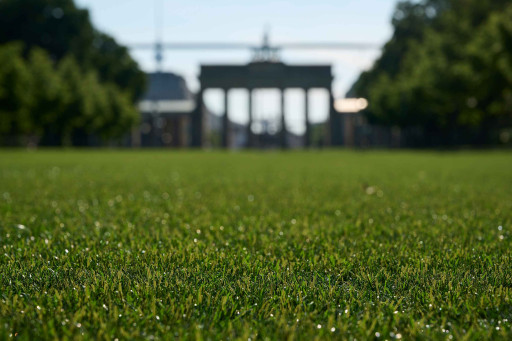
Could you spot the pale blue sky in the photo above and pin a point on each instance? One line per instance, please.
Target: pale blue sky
(131, 21)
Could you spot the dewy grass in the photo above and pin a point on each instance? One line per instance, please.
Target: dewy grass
(212, 245)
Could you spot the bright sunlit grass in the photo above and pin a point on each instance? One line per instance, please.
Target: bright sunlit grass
(385, 245)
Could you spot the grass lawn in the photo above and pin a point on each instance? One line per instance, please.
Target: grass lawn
(301, 245)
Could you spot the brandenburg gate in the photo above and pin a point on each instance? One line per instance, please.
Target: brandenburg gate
(259, 74)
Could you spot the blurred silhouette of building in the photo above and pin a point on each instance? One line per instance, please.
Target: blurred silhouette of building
(267, 72)
(169, 114)
(358, 133)
(166, 109)
(173, 116)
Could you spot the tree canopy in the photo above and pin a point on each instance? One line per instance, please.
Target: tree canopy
(57, 104)
(62, 29)
(62, 80)
(446, 71)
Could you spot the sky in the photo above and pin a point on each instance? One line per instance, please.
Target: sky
(142, 21)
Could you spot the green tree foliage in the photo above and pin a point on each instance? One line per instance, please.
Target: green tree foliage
(62, 82)
(79, 109)
(491, 50)
(449, 75)
(15, 94)
(57, 26)
(122, 115)
(92, 107)
(62, 29)
(409, 22)
(115, 65)
(48, 92)
(58, 104)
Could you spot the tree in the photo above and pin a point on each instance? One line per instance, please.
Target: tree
(444, 79)
(491, 61)
(62, 29)
(122, 115)
(94, 109)
(115, 65)
(86, 107)
(66, 82)
(49, 96)
(409, 22)
(57, 26)
(15, 94)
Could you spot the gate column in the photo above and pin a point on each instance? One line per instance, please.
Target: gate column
(307, 134)
(225, 121)
(198, 121)
(332, 124)
(283, 134)
(250, 135)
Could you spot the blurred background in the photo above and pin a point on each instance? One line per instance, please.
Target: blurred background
(259, 74)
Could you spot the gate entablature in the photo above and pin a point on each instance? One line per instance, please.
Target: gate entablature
(265, 75)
